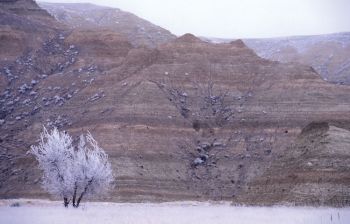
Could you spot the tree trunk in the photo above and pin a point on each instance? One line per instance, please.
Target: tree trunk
(75, 195)
(82, 193)
(65, 202)
(79, 199)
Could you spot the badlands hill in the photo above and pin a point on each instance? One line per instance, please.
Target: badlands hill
(23, 25)
(88, 16)
(327, 54)
(295, 175)
(186, 120)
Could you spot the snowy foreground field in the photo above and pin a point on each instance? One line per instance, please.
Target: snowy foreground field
(46, 212)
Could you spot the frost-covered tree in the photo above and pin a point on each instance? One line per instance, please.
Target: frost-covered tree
(94, 175)
(72, 172)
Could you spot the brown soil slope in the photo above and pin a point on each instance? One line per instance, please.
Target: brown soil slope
(23, 26)
(186, 120)
(327, 54)
(313, 171)
(88, 16)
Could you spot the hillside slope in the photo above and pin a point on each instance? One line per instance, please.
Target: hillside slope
(88, 16)
(327, 54)
(187, 120)
(314, 170)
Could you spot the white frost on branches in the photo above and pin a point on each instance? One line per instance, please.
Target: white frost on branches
(72, 173)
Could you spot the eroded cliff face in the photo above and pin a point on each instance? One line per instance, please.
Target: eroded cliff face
(327, 54)
(313, 171)
(24, 26)
(188, 120)
(88, 16)
(20, 9)
(19, 5)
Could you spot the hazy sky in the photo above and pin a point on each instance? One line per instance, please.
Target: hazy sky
(239, 18)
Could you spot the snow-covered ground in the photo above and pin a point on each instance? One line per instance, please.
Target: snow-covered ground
(47, 212)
